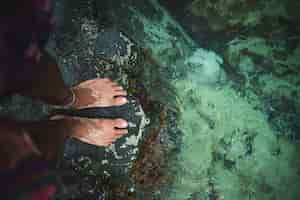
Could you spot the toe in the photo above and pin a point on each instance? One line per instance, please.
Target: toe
(121, 132)
(120, 93)
(120, 123)
(109, 141)
(118, 88)
(118, 101)
(114, 84)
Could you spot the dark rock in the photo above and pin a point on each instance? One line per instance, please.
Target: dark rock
(113, 162)
(115, 47)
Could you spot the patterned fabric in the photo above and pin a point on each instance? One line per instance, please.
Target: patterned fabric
(25, 26)
(24, 30)
(30, 179)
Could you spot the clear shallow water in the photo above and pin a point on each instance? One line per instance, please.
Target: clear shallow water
(238, 103)
(230, 148)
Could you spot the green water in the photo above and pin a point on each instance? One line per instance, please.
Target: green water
(229, 150)
(238, 104)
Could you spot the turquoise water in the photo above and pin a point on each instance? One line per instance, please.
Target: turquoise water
(230, 148)
(229, 69)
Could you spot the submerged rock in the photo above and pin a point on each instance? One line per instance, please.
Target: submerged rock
(222, 143)
(117, 48)
(113, 163)
(224, 13)
(206, 66)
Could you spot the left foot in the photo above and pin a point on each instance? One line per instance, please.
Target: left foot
(98, 93)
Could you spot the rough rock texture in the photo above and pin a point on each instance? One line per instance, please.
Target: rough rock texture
(113, 163)
(230, 148)
(97, 50)
(220, 86)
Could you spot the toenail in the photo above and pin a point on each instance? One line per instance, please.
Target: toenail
(124, 100)
(123, 124)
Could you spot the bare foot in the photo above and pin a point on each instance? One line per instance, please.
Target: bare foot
(98, 93)
(100, 132)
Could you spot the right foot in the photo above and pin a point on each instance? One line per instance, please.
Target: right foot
(100, 132)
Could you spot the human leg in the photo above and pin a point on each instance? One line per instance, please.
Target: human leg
(47, 85)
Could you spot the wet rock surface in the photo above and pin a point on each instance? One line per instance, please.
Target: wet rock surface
(114, 163)
(256, 40)
(257, 53)
(86, 49)
(247, 124)
(114, 172)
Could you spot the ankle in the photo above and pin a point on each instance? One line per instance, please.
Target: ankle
(70, 100)
(67, 100)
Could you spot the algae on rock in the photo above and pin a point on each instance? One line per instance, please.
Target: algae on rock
(224, 133)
